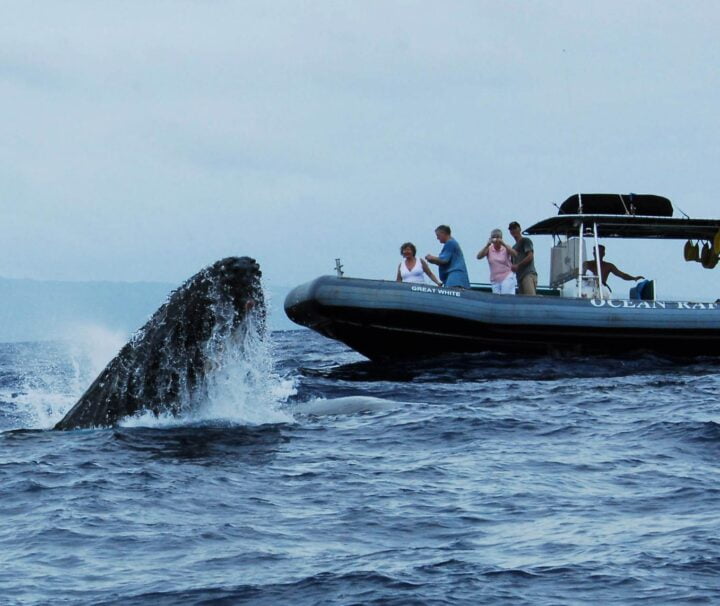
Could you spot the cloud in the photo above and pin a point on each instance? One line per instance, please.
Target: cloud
(144, 140)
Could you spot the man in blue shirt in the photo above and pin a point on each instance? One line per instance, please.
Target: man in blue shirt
(450, 262)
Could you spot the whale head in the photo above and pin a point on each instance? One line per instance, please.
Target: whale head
(164, 366)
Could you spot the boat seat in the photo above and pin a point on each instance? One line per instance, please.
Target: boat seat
(643, 290)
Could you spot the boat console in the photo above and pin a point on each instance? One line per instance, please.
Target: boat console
(593, 216)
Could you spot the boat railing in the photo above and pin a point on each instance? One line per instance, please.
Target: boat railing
(547, 291)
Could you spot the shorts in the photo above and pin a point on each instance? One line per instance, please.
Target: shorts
(506, 286)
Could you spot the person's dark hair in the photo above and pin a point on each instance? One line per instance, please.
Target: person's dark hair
(443, 228)
(409, 245)
(601, 248)
(514, 225)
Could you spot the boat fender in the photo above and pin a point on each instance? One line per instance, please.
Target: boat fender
(688, 250)
(705, 255)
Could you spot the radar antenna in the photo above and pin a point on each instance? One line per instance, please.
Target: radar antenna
(682, 211)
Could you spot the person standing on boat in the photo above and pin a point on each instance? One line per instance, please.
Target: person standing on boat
(607, 268)
(450, 261)
(412, 269)
(499, 255)
(524, 266)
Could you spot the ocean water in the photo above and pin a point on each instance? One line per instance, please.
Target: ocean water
(318, 478)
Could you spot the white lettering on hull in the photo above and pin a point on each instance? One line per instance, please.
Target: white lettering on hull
(632, 304)
(437, 291)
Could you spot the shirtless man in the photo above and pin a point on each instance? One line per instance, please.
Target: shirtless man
(607, 268)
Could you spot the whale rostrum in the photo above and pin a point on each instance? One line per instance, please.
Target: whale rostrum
(165, 364)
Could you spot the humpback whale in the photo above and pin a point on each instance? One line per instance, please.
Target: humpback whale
(164, 366)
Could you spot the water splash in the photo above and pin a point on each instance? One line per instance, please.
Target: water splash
(240, 385)
(90, 348)
(33, 408)
(40, 383)
(236, 382)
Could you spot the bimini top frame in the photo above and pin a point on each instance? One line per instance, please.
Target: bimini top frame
(624, 216)
(620, 216)
(629, 226)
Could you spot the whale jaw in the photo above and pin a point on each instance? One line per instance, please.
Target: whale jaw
(163, 368)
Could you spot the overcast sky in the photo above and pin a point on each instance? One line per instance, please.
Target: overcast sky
(144, 140)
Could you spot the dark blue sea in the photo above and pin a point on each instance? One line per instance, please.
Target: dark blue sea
(318, 478)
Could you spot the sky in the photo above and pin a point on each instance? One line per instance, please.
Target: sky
(141, 141)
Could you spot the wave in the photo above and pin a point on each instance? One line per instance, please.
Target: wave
(451, 368)
(323, 588)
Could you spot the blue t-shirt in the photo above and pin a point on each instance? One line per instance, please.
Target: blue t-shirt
(454, 272)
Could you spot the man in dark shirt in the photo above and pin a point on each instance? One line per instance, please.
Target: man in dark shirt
(524, 265)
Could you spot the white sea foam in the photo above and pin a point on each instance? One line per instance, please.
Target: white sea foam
(52, 376)
(241, 386)
(89, 348)
(37, 408)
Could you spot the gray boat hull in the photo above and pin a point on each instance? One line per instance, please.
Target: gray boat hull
(386, 320)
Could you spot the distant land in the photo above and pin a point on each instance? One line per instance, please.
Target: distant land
(35, 310)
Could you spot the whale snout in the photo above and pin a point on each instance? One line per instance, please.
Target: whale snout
(165, 362)
(240, 277)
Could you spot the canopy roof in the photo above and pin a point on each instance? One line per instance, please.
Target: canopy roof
(624, 216)
(617, 204)
(628, 226)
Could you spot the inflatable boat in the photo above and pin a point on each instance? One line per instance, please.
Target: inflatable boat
(384, 320)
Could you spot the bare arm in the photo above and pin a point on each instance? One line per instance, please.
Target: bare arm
(399, 277)
(436, 260)
(484, 251)
(511, 251)
(621, 274)
(429, 272)
(524, 262)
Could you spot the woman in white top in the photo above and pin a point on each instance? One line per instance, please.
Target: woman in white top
(412, 269)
